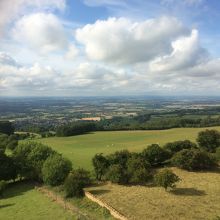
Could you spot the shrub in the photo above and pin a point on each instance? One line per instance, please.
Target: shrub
(209, 140)
(166, 178)
(138, 169)
(75, 182)
(155, 155)
(3, 185)
(176, 146)
(120, 158)
(193, 159)
(55, 169)
(100, 164)
(117, 174)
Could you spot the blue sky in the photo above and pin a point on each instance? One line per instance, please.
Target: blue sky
(109, 47)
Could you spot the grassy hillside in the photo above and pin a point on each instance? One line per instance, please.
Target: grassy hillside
(21, 201)
(80, 149)
(196, 197)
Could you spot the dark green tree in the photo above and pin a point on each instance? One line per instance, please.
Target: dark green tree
(209, 140)
(193, 159)
(155, 155)
(55, 169)
(100, 164)
(166, 179)
(75, 182)
(6, 127)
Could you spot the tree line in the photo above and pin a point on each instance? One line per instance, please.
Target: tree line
(124, 167)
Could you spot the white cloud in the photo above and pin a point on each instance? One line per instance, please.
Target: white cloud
(72, 52)
(186, 53)
(119, 40)
(11, 9)
(42, 32)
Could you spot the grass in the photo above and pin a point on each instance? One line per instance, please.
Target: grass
(21, 201)
(196, 197)
(80, 149)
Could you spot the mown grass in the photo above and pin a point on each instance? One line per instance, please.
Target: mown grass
(21, 201)
(196, 197)
(80, 149)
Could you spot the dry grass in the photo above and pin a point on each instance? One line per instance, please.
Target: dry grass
(197, 196)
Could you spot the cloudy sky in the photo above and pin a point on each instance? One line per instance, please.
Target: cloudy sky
(109, 47)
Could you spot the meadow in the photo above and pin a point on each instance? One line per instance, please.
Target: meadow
(21, 201)
(196, 197)
(80, 149)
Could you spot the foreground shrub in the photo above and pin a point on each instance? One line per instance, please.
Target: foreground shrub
(120, 158)
(155, 155)
(193, 159)
(176, 146)
(75, 182)
(138, 170)
(209, 140)
(117, 174)
(55, 169)
(166, 178)
(218, 154)
(2, 186)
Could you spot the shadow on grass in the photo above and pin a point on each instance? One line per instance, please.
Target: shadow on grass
(99, 191)
(17, 189)
(188, 192)
(6, 205)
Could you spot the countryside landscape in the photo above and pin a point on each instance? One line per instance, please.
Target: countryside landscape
(109, 109)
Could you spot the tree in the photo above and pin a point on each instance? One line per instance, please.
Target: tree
(3, 185)
(37, 157)
(8, 169)
(138, 169)
(166, 178)
(119, 157)
(75, 182)
(174, 147)
(6, 127)
(218, 153)
(193, 159)
(12, 142)
(117, 174)
(55, 169)
(3, 142)
(209, 140)
(100, 164)
(155, 155)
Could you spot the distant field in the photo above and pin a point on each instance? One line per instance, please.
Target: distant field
(80, 149)
(195, 198)
(21, 201)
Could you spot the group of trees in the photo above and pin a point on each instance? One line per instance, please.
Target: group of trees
(125, 167)
(140, 122)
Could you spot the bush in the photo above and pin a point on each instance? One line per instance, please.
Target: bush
(176, 146)
(120, 158)
(138, 170)
(166, 178)
(117, 174)
(209, 140)
(55, 170)
(75, 182)
(193, 159)
(155, 155)
(3, 185)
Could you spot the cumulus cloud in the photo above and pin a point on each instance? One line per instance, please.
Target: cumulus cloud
(186, 52)
(11, 9)
(42, 32)
(119, 40)
(72, 52)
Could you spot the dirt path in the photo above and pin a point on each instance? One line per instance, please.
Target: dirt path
(62, 202)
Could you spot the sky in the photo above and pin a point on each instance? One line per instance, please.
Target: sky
(109, 47)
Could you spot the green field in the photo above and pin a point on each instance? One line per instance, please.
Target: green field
(21, 201)
(80, 149)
